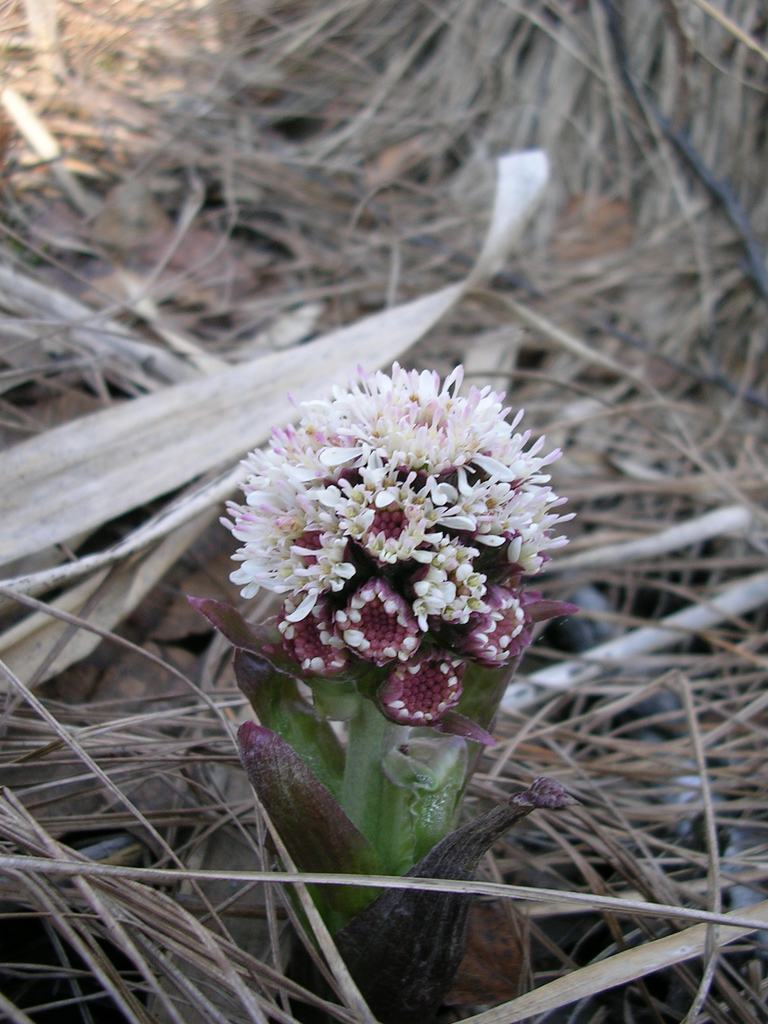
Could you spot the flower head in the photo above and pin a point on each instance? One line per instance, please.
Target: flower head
(378, 624)
(420, 692)
(399, 519)
(313, 641)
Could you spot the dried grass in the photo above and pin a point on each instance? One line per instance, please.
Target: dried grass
(194, 190)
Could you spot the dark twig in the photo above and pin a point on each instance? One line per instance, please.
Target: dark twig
(720, 189)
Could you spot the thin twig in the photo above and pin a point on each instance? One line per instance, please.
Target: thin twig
(721, 190)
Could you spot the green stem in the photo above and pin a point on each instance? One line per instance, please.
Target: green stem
(403, 809)
(378, 808)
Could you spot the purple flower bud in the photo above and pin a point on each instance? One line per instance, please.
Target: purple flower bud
(378, 624)
(313, 641)
(422, 690)
(496, 637)
(501, 634)
(546, 793)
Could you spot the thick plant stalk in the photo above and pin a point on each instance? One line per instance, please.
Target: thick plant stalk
(399, 521)
(404, 982)
(378, 808)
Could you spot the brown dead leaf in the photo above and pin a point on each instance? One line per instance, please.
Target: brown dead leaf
(63, 407)
(490, 970)
(58, 225)
(393, 160)
(132, 678)
(592, 227)
(131, 218)
(198, 268)
(5, 140)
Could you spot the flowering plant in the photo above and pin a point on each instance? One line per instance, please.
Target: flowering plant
(399, 522)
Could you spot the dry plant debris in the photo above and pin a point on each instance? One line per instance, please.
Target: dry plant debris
(194, 192)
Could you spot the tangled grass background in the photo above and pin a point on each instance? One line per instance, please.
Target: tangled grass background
(193, 192)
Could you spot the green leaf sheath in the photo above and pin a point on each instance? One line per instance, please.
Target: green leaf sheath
(317, 833)
(276, 700)
(432, 769)
(483, 690)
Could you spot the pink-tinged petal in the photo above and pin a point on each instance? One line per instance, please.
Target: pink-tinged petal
(313, 640)
(378, 624)
(338, 456)
(494, 468)
(421, 691)
(302, 610)
(394, 464)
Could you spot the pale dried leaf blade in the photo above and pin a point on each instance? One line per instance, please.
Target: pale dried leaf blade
(737, 599)
(40, 646)
(520, 182)
(96, 468)
(97, 332)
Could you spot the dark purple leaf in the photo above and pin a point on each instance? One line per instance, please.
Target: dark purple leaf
(538, 608)
(459, 725)
(491, 968)
(262, 639)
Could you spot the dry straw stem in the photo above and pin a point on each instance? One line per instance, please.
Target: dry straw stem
(346, 984)
(158, 924)
(619, 969)
(193, 502)
(714, 877)
(40, 647)
(732, 27)
(45, 146)
(60, 322)
(13, 1013)
(67, 868)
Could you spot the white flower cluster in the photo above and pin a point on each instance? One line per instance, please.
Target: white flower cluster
(399, 477)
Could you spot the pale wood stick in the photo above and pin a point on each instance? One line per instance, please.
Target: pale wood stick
(736, 599)
(733, 519)
(46, 147)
